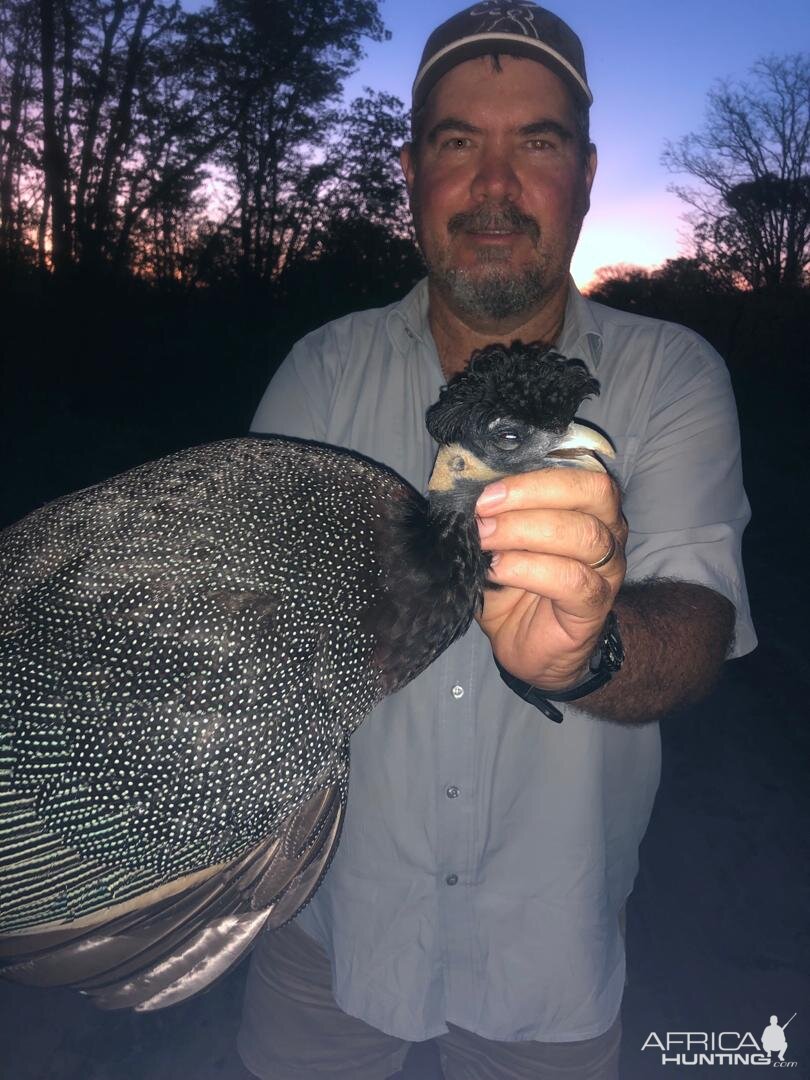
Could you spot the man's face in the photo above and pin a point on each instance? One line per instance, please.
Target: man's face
(498, 187)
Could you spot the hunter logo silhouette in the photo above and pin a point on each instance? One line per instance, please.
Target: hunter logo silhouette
(773, 1038)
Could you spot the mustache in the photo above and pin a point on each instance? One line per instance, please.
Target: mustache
(490, 218)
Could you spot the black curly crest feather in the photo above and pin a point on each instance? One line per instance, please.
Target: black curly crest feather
(529, 382)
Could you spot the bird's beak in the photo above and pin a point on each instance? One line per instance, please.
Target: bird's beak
(454, 463)
(580, 445)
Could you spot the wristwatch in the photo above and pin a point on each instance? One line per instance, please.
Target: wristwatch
(606, 659)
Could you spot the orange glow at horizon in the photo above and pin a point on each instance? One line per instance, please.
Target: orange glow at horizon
(638, 232)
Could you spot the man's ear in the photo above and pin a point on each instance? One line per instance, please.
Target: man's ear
(590, 168)
(590, 173)
(406, 160)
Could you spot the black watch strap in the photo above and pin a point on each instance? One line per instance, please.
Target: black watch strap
(607, 659)
(530, 693)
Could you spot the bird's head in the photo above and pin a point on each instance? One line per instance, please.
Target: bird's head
(510, 411)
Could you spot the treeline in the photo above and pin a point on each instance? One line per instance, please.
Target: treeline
(184, 194)
(214, 148)
(752, 328)
(195, 148)
(750, 209)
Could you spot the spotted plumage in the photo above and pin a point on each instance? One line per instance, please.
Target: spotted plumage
(185, 651)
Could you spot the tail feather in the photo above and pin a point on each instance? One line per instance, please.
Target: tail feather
(170, 948)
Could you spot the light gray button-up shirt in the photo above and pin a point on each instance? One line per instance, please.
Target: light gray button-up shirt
(487, 851)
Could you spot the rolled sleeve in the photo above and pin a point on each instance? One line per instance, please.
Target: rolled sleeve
(685, 502)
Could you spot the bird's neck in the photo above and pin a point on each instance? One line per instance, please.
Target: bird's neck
(434, 573)
(454, 531)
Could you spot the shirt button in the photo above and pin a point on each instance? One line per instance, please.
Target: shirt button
(453, 792)
(458, 692)
(451, 879)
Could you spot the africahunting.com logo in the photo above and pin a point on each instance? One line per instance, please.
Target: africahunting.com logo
(723, 1047)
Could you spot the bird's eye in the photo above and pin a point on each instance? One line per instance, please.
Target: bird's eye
(507, 439)
(505, 433)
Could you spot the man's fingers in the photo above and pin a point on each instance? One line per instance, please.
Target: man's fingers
(567, 582)
(569, 533)
(558, 489)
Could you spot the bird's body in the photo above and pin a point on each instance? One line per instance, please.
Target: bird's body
(170, 651)
(184, 652)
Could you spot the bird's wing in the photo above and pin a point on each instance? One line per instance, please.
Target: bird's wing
(181, 663)
(170, 946)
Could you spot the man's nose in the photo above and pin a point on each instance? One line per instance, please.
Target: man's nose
(495, 178)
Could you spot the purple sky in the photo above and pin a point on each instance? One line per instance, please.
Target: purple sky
(649, 66)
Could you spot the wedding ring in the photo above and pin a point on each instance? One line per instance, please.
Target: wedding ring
(611, 551)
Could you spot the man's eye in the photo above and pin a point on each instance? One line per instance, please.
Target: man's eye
(541, 144)
(458, 142)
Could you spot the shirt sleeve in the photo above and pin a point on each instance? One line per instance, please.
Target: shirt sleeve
(685, 503)
(297, 400)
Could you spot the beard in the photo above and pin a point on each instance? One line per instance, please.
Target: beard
(495, 288)
(497, 293)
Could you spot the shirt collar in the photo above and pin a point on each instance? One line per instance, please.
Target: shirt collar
(407, 322)
(582, 335)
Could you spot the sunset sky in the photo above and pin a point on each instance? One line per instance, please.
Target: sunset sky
(649, 65)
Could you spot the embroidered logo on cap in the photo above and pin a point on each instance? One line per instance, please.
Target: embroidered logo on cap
(505, 17)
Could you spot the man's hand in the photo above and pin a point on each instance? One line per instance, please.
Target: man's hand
(547, 529)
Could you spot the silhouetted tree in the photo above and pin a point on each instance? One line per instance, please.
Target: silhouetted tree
(359, 188)
(137, 130)
(751, 214)
(365, 162)
(680, 289)
(621, 285)
(275, 72)
(140, 138)
(18, 92)
(100, 125)
(55, 165)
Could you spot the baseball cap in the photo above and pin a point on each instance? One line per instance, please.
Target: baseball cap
(516, 27)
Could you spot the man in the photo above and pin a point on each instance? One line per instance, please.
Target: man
(488, 852)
